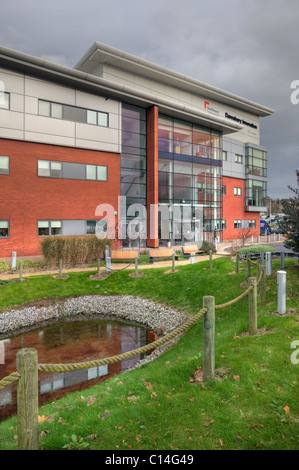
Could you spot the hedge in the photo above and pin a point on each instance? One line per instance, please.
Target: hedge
(74, 250)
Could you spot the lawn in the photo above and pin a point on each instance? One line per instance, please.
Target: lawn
(252, 404)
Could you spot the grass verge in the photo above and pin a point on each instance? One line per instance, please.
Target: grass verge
(253, 403)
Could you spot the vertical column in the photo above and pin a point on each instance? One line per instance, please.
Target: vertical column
(152, 177)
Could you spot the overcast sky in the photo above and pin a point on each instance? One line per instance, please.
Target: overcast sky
(250, 48)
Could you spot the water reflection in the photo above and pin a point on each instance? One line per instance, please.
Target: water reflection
(71, 342)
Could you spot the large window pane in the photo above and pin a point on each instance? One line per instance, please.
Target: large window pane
(91, 172)
(102, 173)
(56, 227)
(43, 108)
(4, 228)
(4, 165)
(43, 227)
(43, 168)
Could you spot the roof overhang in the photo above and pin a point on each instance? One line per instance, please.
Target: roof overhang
(72, 77)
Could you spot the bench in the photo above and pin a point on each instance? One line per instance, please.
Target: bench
(123, 255)
(161, 253)
(188, 249)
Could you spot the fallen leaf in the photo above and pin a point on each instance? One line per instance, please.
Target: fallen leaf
(221, 442)
(148, 385)
(236, 377)
(287, 409)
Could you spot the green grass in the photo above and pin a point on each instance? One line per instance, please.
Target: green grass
(156, 407)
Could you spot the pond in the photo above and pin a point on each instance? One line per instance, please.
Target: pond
(76, 341)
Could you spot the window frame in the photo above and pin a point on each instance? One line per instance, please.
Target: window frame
(237, 191)
(239, 159)
(8, 169)
(5, 94)
(50, 227)
(8, 228)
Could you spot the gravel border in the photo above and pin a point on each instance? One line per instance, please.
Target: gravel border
(153, 315)
(159, 318)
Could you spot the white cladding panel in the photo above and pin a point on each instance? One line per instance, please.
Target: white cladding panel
(24, 95)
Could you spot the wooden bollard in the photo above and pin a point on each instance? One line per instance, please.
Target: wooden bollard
(173, 263)
(252, 307)
(27, 399)
(248, 266)
(263, 286)
(209, 338)
(60, 268)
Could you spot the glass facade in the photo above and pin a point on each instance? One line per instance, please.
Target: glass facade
(256, 162)
(133, 164)
(190, 171)
(256, 193)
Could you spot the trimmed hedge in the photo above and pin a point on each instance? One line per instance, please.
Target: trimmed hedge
(73, 250)
(256, 249)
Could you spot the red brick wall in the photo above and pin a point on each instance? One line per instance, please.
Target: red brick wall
(25, 198)
(234, 208)
(152, 170)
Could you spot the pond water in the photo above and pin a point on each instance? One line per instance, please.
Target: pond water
(77, 341)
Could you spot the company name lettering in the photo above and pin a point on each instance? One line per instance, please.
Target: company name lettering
(241, 121)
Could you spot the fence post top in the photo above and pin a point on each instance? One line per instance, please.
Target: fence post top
(27, 352)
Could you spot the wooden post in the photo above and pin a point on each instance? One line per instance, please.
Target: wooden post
(263, 286)
(237, 262)
(258, 273)
(27, 399)
(211, 260)
(252, 307)
(136, 267)
(209, 338)
(248, 265)
(173, 263)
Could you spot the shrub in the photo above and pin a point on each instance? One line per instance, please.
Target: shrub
(207, 246)
(4, 266)
(73, 250)
(256, 249)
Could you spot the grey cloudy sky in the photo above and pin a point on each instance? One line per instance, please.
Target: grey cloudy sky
(250, 48)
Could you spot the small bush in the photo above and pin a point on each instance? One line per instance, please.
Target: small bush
(4, 266)
(73, 250)
(256, 249)
(207, 246)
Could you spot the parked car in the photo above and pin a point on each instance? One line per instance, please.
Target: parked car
(265, 228)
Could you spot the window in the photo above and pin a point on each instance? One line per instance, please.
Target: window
(67, 170)
(72, 113)
(96, 172)
(4, 165)
(238, 158)
(224, 155)
(224, 190)
(50, 169)
(245, 224)
(238, 192)
(4, 228)
(4, 100)
(91, 227)
(49, 227)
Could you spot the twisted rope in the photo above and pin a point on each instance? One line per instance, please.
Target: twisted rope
(9, 380)
(234, 301)
(119, 357)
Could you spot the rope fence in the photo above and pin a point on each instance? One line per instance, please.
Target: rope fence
(26, 375)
